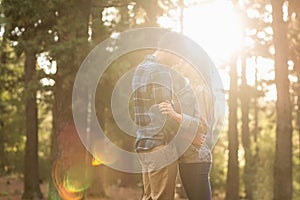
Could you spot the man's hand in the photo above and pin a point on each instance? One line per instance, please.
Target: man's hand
(167, 109)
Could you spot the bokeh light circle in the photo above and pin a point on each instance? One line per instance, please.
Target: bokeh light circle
(92, 69)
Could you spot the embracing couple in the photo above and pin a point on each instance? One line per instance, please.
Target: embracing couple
(174, 134)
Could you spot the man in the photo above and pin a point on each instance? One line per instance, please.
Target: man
(152, 84)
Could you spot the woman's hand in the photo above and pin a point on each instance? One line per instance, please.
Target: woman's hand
(167, 109)
(199, 140)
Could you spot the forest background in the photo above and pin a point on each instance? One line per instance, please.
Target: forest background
(44, 42)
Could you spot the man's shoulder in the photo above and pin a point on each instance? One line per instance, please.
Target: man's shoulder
(152, 67)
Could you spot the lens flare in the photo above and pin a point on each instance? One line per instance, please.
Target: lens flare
(96, 162)
(95, 65)
(104, 153)
(71, 183)
(77, 179)
(66, 195)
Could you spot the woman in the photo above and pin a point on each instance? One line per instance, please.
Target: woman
(195, 163)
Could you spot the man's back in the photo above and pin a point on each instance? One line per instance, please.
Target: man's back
(152, 84)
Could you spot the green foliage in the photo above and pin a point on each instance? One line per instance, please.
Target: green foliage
(3, 193)
(45, 130)
(28, 22)
(12, 112)
(296, 166)
(264, 157)
(219, 167)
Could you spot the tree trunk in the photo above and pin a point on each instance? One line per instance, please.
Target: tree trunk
(245, 99)
(31, 169)
(283, 151)
(2, 150)
(256, 108)
(294, 7)
(67, 154)
(61, 117)
(297, 69)
(2, 110)
(232, 186)
(181, 16)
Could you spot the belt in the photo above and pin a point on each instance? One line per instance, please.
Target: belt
(141, 146)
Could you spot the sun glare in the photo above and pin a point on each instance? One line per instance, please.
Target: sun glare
(212, 24)
(216, 27)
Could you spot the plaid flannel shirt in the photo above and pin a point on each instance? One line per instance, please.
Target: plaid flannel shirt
(152, 84)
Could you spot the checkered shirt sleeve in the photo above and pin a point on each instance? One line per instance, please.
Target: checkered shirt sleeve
(151, 87)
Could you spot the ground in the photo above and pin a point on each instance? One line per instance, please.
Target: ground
(11, 188)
